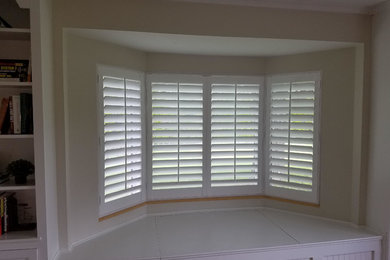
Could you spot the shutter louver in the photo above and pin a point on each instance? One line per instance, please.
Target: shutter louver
(234, 134)
(177, 135)
(122, 137)
(291, 158)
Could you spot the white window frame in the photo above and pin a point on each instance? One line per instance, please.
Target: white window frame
(310, 197)
(125, 202)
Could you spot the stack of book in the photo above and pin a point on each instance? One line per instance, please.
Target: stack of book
(16, 114)
(15, 70)
(8, 212)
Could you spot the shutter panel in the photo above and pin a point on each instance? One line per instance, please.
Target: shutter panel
(122, 137)
(292, 135)
(177, 135)
(234, 134)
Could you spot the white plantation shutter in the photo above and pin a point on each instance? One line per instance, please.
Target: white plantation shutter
(177, 133)
(206, 137)
(235, 135)
(122, 141)
(293, 134)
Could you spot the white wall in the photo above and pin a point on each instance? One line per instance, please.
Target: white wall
(378, 207)
(169, 17)
(204, 65)
(81, 56)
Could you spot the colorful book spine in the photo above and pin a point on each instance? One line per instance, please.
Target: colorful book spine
(8, 212)
(16, 114)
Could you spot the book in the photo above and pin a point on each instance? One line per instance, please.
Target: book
(8, 212)
(2, 212)
(3, 111)
(29, 76)
(11, 115)
(5, 228)
(11, 70)
(26, 113)
(12, 220)
(6, 122)
(16, 114)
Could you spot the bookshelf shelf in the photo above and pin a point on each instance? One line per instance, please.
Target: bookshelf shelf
(19, 34)
(16, 137)
(11, 186)
(5, 84)
(19, 236)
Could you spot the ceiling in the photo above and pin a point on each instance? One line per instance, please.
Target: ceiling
(345, 6)
(207, 45)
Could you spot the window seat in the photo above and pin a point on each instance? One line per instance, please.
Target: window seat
(235, 234)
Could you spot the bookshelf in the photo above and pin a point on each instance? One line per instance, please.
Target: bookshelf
(16, 45)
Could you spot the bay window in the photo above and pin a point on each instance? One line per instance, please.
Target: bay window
(194, 136)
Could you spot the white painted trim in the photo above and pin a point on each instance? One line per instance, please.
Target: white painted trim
(106, 231)
(292, 5)
(58, 253)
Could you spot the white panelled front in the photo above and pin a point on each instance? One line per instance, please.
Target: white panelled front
(292, 136)
(353, 256)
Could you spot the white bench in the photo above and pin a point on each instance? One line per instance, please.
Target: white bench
(236, 234)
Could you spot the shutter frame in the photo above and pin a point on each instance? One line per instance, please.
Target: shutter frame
(159, 194)
(106, 208)
(313, 196)
(238, 190)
